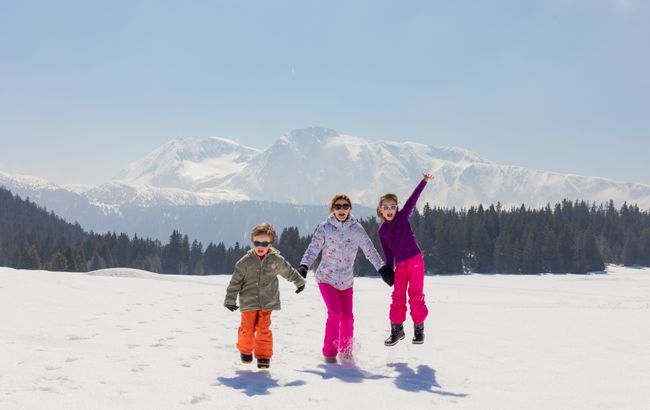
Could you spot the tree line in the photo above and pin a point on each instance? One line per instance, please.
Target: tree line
(32, 238)
(571, 236)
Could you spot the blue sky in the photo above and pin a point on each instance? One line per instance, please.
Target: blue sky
(87, 87)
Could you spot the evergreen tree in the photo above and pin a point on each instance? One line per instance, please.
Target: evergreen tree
(97, 262)
(531, 257)
(58, 263)
(105, 253)
(502, 255)
(593, 262)
(185, 255)
(123, 249)
(75, 259)
(173, 255)
(210, 260)
(630, 250)
(290, 246)
(566, 251)
(482, 249)
(644, 247)
(29, 258)
(196, 259)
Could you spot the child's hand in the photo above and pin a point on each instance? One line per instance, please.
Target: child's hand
(232, 308)
(302, 270)
(300, 288)
(387, 275)
(427, 177)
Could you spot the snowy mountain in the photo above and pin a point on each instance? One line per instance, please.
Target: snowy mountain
(184, 171)
(26, 183)
(216, 189)
(308, 166)
(189, 164)
(227, 222)
(66, 203)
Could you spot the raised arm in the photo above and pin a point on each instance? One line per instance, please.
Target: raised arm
(409, 206)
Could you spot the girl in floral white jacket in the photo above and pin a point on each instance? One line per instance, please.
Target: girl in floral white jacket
(339, 237)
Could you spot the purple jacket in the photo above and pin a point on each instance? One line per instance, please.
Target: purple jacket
(397, 237)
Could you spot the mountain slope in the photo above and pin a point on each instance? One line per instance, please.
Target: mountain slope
(308, 166)
(188, 164)
(198, 185)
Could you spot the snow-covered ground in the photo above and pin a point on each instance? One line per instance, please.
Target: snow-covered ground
(137, 340)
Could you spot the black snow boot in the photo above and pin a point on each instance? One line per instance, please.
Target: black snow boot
(418, 333)
(263, 363)
(396, 334)
(246, 358)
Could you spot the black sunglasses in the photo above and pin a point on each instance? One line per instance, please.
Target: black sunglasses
(341, 206)
(263, 244)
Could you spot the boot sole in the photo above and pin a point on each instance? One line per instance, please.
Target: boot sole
(393, 344)
(418, 343)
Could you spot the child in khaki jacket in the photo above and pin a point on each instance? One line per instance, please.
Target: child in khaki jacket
(255, 281)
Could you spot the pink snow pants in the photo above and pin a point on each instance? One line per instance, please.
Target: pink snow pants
(409, 273)
(339, 327)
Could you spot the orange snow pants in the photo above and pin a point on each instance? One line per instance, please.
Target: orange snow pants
(254, 335)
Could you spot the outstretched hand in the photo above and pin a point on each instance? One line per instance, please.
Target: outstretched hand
(426, 176)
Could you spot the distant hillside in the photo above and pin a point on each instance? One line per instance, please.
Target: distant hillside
(23, 224)
(33, 238)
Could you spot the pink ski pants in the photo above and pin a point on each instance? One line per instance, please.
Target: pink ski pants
(409, 274)
(339, 327)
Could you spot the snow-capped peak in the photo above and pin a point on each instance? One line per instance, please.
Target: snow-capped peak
(318, 134)
(228, 141)
(306, 166)
(186, 162)
(26, 182)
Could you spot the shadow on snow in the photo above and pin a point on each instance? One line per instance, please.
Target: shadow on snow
(349, 373)
(255, 383)
(422, 380)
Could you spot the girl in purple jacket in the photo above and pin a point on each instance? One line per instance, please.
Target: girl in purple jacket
(402, 252)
